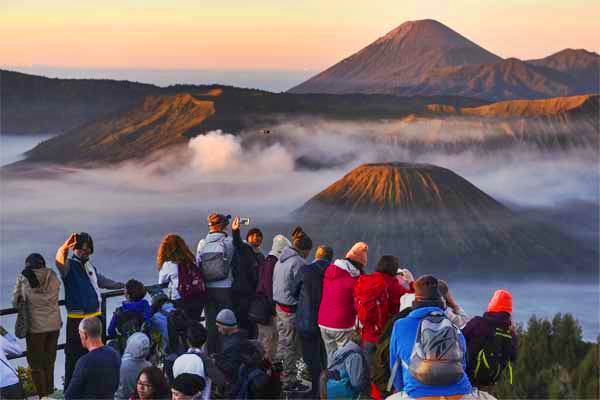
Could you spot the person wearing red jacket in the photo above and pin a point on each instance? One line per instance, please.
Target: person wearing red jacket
(376, 299)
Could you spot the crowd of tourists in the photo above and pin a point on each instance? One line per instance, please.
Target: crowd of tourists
(234, 322)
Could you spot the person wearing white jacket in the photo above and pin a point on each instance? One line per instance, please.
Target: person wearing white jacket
(10, 387)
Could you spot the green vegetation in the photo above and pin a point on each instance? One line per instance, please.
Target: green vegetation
(26, 381)
(553, 362)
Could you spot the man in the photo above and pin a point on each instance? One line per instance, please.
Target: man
(82, 283)
(286, 269)
(421, 366)
(216, 255)
(245, 276)
(308, 288)
(96, 374)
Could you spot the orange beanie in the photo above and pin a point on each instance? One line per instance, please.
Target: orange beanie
(501, 301)
(358, 253)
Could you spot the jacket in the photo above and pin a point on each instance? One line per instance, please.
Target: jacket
(337, 304)
(42, 302)
(395, 292)
(160, 323)
(284, 275)
(230, 255)
(141, 307)
(132, 362)
(265, 276)
(402, 340)
(8, 347)
(354, 365)
(308, 288)
(169, 273)
(245, 275)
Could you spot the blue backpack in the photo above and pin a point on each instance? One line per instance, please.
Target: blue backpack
(338, 383)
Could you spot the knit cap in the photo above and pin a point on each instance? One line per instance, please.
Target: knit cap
(189, 384)
(358, 253)
(300, 240)
(226, 317)
(218, 219)
(501, 301)
(280, 242)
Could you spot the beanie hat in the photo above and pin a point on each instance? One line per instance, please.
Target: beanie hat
(279, 243)
(324, 253)
(300, 240)
(427, 293)
(226, 317)
(189, 384)
(218, 219)
(358, 253)
(501, 301)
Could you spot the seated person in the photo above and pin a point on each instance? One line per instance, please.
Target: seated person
(347, 375)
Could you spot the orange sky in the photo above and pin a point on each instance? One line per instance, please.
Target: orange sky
(283, 34)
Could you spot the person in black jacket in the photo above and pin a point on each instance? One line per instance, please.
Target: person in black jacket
(245, 276)
(307, 288)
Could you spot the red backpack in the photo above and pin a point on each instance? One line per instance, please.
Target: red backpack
(191, 283)
(372, 300)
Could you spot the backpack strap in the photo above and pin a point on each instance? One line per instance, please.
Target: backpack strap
(345, 357)
(393, 375)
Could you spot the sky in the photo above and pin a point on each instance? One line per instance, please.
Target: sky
(298, 37)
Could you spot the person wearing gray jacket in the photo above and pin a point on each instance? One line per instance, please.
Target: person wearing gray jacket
(132, 362)
(291, 260)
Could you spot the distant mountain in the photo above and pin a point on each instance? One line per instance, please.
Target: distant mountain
(436, 221)
(427, 58)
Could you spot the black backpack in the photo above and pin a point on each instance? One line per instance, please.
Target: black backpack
(177, 324)
(488, 359)
(128, 323)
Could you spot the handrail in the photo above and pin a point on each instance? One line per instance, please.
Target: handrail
(104, 296)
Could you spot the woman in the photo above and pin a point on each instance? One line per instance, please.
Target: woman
(151, 384)
(174, 255)
(39, 287)
(337, 317)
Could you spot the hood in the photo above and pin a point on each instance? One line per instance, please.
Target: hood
(287, 253)
(137, 306)
(167, 307)
(215, 237)
(138, 346)
(419, 313)
(345, 265)
(43, 277)
(339, 353)
(280, 242)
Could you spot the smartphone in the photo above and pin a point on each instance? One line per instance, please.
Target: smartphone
(244, 221)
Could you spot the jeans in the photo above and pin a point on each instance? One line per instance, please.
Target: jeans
(217, 299)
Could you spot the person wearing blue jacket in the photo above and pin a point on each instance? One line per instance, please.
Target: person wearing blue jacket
(427, 300)
(134, 301)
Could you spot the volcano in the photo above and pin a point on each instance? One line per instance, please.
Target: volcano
(436, 222)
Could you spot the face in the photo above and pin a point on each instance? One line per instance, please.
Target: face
(177, 395)
(144, 387)
(255, 240)
(84, 251)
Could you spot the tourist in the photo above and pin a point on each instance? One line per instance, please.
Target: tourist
(132, 362)
(151, 384)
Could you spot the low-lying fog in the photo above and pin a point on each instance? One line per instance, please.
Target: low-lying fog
(128, 208)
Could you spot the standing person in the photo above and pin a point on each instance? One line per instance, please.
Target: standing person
(286, 269)
(82, 283)
(307, 289)
(491, 338)
(10, 387)
(133, 315)
(267, 332)
(216, 256)
(376, 298)
(245, 276)
(337, 317)
(96, 374)
(151, 384)
(132, 362)
(39, 288)
(174, 260)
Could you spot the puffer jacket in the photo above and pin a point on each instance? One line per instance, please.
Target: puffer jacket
(133, 361)
(337, 303)
(42, 302)
(284, 275)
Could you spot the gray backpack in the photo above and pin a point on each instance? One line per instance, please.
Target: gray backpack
(213, 260)
(436, 357)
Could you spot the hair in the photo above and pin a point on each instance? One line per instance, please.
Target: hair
(83, 237)
(92, 326)
(188, 383)
(388, 265)
(196, 334)
(443, 288)
(173, 248)
(157, 380)
(324, 253)
(254, 231)
(35, 260)
(135, 290)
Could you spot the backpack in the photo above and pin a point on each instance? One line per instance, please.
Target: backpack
(212, 257)
(128, 323)
(437, 354)
(247, 376)
(491, 359)
(373, 301)
(338, 383)
(177, 324)
(191, 282)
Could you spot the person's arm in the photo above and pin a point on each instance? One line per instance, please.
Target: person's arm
(63, 253)
(112, 326)
(355, 368)
(297, 284)
(147, 316)
(10, 345)
(18, 290)
(164, 275)
(107, 283)
(77, 382)
(235, 234)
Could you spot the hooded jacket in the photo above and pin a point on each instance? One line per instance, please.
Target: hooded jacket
(401, 345)
(160, 323)
(42, 301)
(132, 362)
(245, 276)
(9, 346)
(354, 365)
(308, 289)
(141, 307)
(284, 275)
(229, 255)
(337, 303)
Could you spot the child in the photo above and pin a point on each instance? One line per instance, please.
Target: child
(134, 315)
